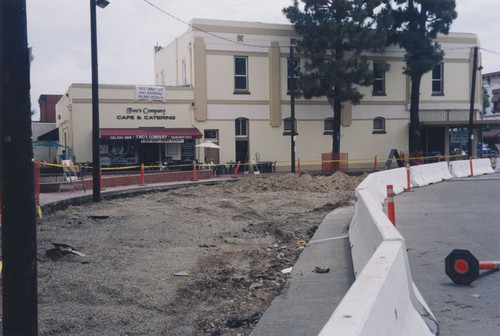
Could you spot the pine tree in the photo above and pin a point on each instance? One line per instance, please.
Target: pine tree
(333, 34)
(413, 25)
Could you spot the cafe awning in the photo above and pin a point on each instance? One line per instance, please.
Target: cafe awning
(151, 135)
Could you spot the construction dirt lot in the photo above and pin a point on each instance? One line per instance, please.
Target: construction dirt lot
(202, 260)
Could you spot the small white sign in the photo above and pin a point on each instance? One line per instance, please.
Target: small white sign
(150, 93)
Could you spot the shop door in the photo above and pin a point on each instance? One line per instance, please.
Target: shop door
(433, 140)
(242, 151)
(152, 153)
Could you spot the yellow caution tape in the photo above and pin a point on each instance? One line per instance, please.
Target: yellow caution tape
(39, 211)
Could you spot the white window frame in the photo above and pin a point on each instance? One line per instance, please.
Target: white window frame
(328, 130)
(287, 126)
(241, 75)
(376, 79)
(242, 133)
(438, 79)
(376, 128)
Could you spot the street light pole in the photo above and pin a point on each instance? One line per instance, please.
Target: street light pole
(471, 109)
(96, 159)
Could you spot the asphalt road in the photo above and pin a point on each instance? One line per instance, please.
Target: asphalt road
(457, 214)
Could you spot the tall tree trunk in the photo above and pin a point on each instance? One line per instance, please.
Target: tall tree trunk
(414, 140)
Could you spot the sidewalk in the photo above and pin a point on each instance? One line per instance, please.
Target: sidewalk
(308, 299)
(53, 201)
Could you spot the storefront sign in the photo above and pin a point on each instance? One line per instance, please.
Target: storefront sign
(145, 114)
(150, 93)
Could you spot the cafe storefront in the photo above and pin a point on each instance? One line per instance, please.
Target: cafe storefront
(151, 146)
(138, 124)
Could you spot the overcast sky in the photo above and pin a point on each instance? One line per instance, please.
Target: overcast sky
(127, 31)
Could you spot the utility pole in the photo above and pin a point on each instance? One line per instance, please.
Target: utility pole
(19, 273)
(291, 71)
(471, 109)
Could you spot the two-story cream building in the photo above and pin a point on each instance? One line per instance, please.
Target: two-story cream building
(227, 82)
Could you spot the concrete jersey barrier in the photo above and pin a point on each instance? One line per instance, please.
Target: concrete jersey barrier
(378, 303)
(383, 275)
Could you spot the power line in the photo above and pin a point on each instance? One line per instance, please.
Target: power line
(270, 46)
(209, 33)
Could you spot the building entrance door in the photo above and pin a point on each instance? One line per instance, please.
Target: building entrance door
(152, 153)
(242, 151)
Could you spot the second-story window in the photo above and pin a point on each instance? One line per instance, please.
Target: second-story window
(240, 73)
(378, 78)
(437, 79)
(287, 126)
(296, 70)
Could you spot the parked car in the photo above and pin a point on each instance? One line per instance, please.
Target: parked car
(484, 150)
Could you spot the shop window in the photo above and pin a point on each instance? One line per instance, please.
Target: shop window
(172, 149)
(240, 74)
(287, 126)
(241, 128)
(328, 126)
(211, 135)
(379, 125)
(296, 70)
(378, 78)
(437, 79)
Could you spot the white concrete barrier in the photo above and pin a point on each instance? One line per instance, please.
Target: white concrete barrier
(497, 165)
(430, 173)
(379, 302)
(376, 183)
(368, 229)
(482, 166)
(384, 300)
(460, 168)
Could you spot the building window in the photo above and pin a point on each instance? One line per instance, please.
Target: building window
(172, 149)
(378, 78)
(496, 107)
(323, 73)
(437, 79)
(296, 70)
(287, 126)
(328, 129)
(211, 135)
(379, 125)
(496, 100)
(240, 74)
(241, 127)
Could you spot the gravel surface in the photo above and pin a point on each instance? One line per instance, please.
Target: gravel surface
(204, 260)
